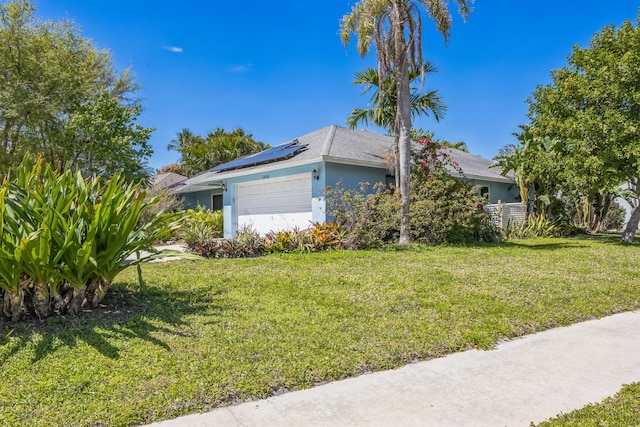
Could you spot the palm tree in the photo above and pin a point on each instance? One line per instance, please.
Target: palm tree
(395, 28)
(383, 112)
(224, 146)
(191, 149)
(198, 154)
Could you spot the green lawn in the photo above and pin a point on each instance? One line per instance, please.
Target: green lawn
(621, 410)
(213, 332)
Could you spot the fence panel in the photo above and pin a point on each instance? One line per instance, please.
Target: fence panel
(503, 214)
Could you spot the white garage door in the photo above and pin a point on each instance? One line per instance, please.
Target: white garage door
(275, 204)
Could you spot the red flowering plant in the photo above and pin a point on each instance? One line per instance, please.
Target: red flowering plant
(433, 160)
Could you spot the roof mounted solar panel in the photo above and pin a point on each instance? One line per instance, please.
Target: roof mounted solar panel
(273, 154)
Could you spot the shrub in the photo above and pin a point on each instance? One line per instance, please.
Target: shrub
(447, 209)
(327, 235)
(442, 210)
(319, 237)
(201, 225)
(534, 226)
(209, 248)
(168, 202)
(281, 241)
(63, 238)
(614, 219)
(248, 243)
(369, 218)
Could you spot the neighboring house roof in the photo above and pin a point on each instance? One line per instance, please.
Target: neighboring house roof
(166, 179)
(338, 144)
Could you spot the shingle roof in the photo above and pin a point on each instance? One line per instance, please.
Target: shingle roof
(166, 179)
(339, 144)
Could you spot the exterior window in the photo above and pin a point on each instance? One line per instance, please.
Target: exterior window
(484, 192)
(216, 202)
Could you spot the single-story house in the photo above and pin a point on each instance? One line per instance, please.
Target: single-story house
(282, 187)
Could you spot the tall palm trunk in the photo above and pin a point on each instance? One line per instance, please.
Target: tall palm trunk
(403, 118)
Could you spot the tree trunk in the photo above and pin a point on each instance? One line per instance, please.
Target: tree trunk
(629, 232)
(61, 303)
(403, 118)
(6, 304)
(405, 185)
(396, 158)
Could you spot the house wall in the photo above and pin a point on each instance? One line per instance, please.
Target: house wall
(506, 192)
(351, 176)
(200, 198)
(229, 196)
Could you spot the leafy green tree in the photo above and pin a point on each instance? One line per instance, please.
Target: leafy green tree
(592, 108)
(198, 154)
(395, 28)
(61, 97)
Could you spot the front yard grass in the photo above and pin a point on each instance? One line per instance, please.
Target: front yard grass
(623, 409)
(214, 332)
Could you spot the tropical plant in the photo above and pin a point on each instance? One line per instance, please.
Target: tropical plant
(534, 226)
(200, 225)
(535, 167)
(382, 112)
(247, 243)
(327, 235)
(395, 28)
(64, 238)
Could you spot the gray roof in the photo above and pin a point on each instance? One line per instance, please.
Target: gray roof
(477, 167)
(166, 179)
(342, 145)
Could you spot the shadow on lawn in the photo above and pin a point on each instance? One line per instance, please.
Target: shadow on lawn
(610, 238)
(547, 246)
(123, 315)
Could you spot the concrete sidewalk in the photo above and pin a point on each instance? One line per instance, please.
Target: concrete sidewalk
(524, 380)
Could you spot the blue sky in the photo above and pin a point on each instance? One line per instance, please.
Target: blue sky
(278, 68)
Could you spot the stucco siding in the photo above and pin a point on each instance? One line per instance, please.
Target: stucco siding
(507, 193)
(201, 198)
(350, 176)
